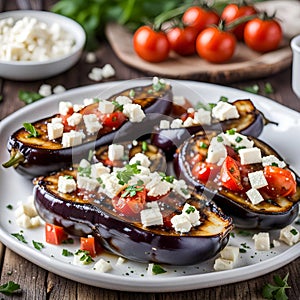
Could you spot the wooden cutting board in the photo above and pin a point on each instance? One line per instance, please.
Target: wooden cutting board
(246, 64)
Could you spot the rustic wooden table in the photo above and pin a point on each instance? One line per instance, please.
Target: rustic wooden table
(37, 283)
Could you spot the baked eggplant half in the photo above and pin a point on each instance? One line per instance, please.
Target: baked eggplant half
(135, 221)
(244, 176)
(60, 140)
(241, 115)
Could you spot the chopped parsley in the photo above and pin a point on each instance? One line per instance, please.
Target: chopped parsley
(277, 291)
(91, 154)
(68, 241)
(68, 176)
(31, 129)
(238, 139)
(254, 89)
(29, 97)
(118, 106)
(9, 206)
(66, 252)
(293, 231)
(200, 105)
(220, 139)
(223, 99)
(231, 131)
(144, 146)
(85, 256)
(167, 178)
(9, 288)
(131, 93)
(274, 164)
(86, 172)
(268, 88)
(157, 269)
(159, 85)
(20, 237)
(132, 190)
(203, 145)
(38, 245)
(125, 175)
(191, 209)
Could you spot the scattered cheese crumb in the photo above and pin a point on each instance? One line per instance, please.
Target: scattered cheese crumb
(45, 90)
(90, 57)
(59, 89)
(102, 266)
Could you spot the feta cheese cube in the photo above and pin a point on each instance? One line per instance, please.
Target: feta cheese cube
(66, 185)
(74, 119)
(262, 241)
(56, 120)
(45, 90)
(27, 209)
(289, 235)
(272, 160)
(180, 187)
(202, 116)
(64, 106)
(102, 266)
(188, 122)
(86, 183)
(72, 138)
(115, 152)
(55, 130)
(108, 71)
(236, 140)
(35, 221)
(179, 100)
(216, 151)
(176, 123)
(91, 123)
(141, 159)
(106, 107)
(192, 214)
(134, 112)
(230, 253)
(120, 261)
(111, 186)
(222, 264)
(23, 221)
(98, 169)
(254, 196)
(250, 156)
(225, 111)
(122, 100)
(151, 216)
(257, 179)
(84, 163)
(181, 223)
(164, 124)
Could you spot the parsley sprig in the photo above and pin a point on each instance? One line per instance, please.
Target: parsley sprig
(31, 129)
(9, 288)
(125, 175)
(132, 190)
(277, 291)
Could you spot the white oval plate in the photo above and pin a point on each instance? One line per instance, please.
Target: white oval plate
(131, 276)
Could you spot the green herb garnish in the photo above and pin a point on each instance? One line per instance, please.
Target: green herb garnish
(68, 176)
(203, 145)
(144, 146)
(293, 231)
(274, 164)
(86, 172)
(268, 88)
(200, 105)
(20, 237)
(9, 206)
(29, 97)
(66, 252)
(91, 154)
(238, 139)
(9, 288)
(231, 131)
(125, 175)
(118, 106)
(38, 245)
(167, 178)
(223, 99)
(159, 85)
(184, 191)
(85, 257)
(277, 291)
(254, 89)
(191, 209)
(131, 190)
(132, 93)
(157, 269)
(220, 139)
(31, 129)
(241, 250)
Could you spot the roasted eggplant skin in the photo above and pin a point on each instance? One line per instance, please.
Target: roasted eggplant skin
(130, 239)
(251, 122)
(37, 159)
(265, 216)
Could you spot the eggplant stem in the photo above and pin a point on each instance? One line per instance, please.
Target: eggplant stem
(15, 158)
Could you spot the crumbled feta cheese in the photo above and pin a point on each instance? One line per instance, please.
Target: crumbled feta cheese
(72, 138)
(120, 261)
(64, 107)
(35, 221)
(190, 110)
(56, 120)
(111, 186)
(181, 223)
(90, 57)
(84, 163)
(91, 123)
(27, 209)
(106, 107)
(262, 241)
(216, 151)
(188, 122)
(225, 111)
(115, 152)
(141, 159)
(236, 140)
(176, 123)
(157, 187)
(55, 130)
(95, 74)
(250, 156)
(257, 179)
(86, 183)
(192, 214)
(108, 71)
(164, 124)
(276, 243)
(88, 101)
(151, 217)
(179, 100)
(66, 185)
(272, 160)
(98, 169)
(254, 196)
(134, 112)
(45, 90)
(202, 116)
(181, 188)
(74, 119)
(122, 100)
(230, 253)
(222, 264)
(289, 235)
(23, 221)
(59, 89)
(77, 107)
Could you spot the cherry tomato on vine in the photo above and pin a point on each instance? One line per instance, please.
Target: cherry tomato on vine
(200, 18)
(183, 40)
(233, 12)
(151, 45)
(263, 34)
(215, 45)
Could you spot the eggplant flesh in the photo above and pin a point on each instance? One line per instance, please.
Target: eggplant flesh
(273, 213)
(36, 156)
(250, 122)
(128, 238)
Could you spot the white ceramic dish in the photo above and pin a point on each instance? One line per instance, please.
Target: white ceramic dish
(132, 276)
(31, 70)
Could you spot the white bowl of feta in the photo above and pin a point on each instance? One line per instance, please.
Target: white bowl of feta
(38, 44)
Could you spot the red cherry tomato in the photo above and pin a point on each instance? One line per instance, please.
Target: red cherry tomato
(233, 12)
(200, 18)
(55, 234)
(205, 171)
(183, 40)
(130, 205)
(230, 175)
(263, 35)
(89, 244)
(64, 121)
(280, 182)
(150, 45)
(215, 45)
(113, 120)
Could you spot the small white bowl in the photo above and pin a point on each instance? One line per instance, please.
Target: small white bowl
(33, 70)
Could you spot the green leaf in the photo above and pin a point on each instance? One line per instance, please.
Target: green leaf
(29, 97)
(9, 288)
(157, 269)
(277, 291)
(31, 129)
(66, 252)
(125, 175)
(20, 237)
(38, 245)
(254, 89)
(268, 88)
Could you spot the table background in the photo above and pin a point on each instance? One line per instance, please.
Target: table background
(37, 283)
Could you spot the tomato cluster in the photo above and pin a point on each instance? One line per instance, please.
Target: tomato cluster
(212, 36)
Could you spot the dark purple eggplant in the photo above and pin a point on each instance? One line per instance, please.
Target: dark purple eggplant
(128, 238)
(250, 122)
(274, 212)
(37, 156)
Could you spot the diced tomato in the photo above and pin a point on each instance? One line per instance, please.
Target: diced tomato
(205, 171)
(64, 118)
(167, 220)
(92, 109)
(187, 115)
(90, 244)
(130, 205)
(55, 234)
(280, 182)
(230, 175)
(197, 158)
(113, 120)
